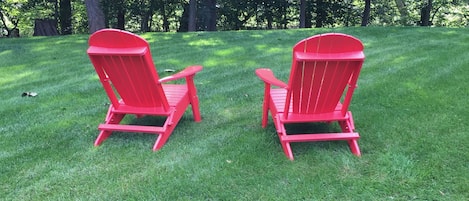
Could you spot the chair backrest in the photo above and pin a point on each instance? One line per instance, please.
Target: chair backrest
(322, 66)
(124, 65)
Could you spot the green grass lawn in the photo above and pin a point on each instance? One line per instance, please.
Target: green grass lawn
(411, 110)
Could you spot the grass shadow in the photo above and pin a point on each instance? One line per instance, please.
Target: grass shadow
(312, 128)
(142, 139)
(300, 148)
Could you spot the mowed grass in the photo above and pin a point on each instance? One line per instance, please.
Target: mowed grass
(410, 110)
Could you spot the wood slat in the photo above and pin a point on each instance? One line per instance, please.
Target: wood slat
(319, 137)
(131, 128)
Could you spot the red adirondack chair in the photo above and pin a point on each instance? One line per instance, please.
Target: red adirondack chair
(322, 67)
(125, 68)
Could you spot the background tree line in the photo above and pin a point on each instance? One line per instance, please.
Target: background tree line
(52, 17)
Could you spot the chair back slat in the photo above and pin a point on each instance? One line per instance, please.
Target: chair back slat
(124, 65)
(322, 68)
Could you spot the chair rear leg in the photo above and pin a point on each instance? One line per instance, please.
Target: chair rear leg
(353, 144)
(163, 137)
(103, 135)
(169, 125)
(348, 127)
(111, 118)
(282, 132)
(287, 149)
(344, 126)
(348, 124)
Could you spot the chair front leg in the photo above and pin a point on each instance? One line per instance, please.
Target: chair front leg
(194, 99)
(265, 105)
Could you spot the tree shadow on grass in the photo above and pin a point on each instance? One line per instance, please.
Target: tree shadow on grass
(301, 148)
(142, 139)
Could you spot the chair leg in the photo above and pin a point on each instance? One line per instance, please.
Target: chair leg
(348, 127)
(282, 132)
(103, 135)
(287, 150)
(162, 138)
(344, 127)
(353, 144)
(194, 100)
(111, 118)
(266, 106)
(195, 108)
(265, 116)
(169, 126)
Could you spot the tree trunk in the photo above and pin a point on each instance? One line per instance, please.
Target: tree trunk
(184, 20)
(269, 17)
(65, 17)
(308, 14)
(302, 13)
(121, 17)
(192, 15)
(45, 27)
(56, 10)
(402, 11)
(145, 20)
(95, 15)
(425, 14)
(320, 13)
(165, 18)
(14, 33)
(11, 32)
(211, 15)
(284, 14)
(366, 13)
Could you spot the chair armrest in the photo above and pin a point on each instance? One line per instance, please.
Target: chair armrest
(189, 71)
(268, 77)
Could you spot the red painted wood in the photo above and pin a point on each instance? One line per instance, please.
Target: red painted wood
(125, 67)
(319, 137)
(323, 76)
(132, 128)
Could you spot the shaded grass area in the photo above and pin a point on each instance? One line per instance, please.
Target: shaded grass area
(410, 109)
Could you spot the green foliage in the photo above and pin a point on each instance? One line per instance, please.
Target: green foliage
(384, 13)
(452, 14)
(10, 15)
(40, 9)
(169, 15)
(79, 19)
(410, 110)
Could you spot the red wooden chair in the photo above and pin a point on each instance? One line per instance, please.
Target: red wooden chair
(322, 67)
(125, 68)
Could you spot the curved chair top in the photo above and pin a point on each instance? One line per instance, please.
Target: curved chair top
(123, 62)
(329, 43)
(113, 38)
(322, 67)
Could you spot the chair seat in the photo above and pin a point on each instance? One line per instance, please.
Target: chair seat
(176, 94)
